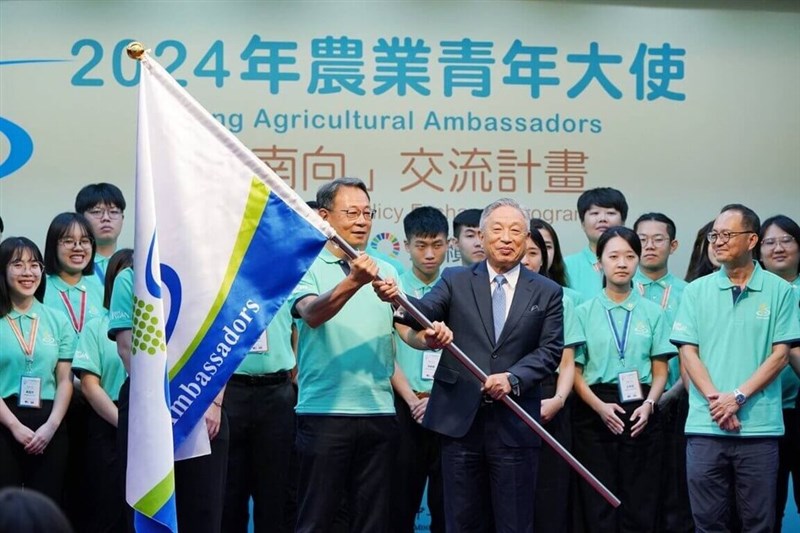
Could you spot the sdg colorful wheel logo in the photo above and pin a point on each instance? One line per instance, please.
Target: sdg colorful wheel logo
(391, 241)
(20, 147)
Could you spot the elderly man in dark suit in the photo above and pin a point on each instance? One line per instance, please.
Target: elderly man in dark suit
(509, 321)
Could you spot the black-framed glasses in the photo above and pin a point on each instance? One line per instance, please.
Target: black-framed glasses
(353, 214)
(114, 213)
(724, 236)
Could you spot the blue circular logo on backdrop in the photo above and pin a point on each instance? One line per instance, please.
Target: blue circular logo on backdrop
(20, 147)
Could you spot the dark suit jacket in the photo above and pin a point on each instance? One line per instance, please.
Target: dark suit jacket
(529, 347)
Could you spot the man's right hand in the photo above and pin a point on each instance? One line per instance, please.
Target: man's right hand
(363, 270)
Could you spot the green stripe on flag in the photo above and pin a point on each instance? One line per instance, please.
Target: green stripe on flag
(155, 499)
(256, 204)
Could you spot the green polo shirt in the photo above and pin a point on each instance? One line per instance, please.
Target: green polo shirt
(88, 285)
(100, 268)
(344, 365)
(790, 383)
(120, 313)
(279, 355)
(97, 354)
(666, 292)
(55, 341)
(733, 340)
(409, 359)
(648, 337)
(584, 273)
(572, 328)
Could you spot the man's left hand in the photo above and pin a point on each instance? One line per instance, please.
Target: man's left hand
(722, 406)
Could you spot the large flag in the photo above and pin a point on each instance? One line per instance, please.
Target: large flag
(221, 241)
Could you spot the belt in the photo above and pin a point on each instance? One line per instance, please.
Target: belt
(276, 378)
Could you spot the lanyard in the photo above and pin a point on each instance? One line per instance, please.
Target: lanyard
(27, 347)
(621, 343)
(77, 322)
(664, 297)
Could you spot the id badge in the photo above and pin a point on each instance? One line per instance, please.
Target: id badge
(630, 390)
(261, 344)
(30, 392)
(430, 360)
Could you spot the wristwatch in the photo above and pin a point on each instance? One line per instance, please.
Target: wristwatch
(514, 382)
(739, 397)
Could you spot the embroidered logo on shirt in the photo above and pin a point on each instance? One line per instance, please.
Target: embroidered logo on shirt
(49, 339)
(641, 329)
(678, 326)
(763, 311)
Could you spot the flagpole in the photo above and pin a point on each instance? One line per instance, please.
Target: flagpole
(476, 371)
(137, 52)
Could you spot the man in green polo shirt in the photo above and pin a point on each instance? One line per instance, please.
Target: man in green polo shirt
(417, 458)
(598, 209)
(734, 329)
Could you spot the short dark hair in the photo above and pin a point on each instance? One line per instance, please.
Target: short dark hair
(30, 511)
(425, 221)
(619, 231)
(118, 262)
(312, 204)
(783, 222)
(750, 220)
(557, 271)
(11, 249)
(327, 193)
(603, 197)
(699, 263)
(538, 240)
(2, 227)
(468, 218)
(59, 227)
(657, 217)
(99, 193)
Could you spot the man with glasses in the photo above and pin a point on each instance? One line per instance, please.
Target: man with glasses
(734, 329)
(655, 282)
(103, 205)
(345, 409)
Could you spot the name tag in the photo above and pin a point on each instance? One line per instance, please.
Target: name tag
(630, 390)
(30, 392)
(261, 344)
(430, 360)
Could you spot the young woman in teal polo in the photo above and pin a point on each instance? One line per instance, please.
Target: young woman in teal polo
(36, 348)
(621, 371)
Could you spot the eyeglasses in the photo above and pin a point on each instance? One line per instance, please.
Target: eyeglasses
(69, 242)
(353, 214)
(113, 213)
(657, 240)
(772, 242)
(724, 236)
(18, 267)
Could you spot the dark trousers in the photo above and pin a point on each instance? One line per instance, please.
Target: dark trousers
(551, 512)
(76, 483)
(199, 482)
(488, 486)
(46, 472)
(749, 465)
(789, 453)
(417, 460)
(675, 515)
(262, 424)
(105, 495)
(344, 457)
(629, 466)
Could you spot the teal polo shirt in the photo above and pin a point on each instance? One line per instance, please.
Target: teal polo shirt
(666, 292)
(55, 341)
(398, 265)
(573, 296)
(88, 285)
(100, 268)
(572, 328)
(344, 365)
(734, 339)
(648, 337)
(790, 383)
(279, 355)
(584, 273)
(409, 359)
(120, 312)
(97, 354)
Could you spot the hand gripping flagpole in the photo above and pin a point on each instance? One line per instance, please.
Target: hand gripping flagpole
(136, 50)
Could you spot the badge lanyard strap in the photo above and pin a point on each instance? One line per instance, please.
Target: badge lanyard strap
(77, 322)
(664, 297)
(27, 347)
(620, 342)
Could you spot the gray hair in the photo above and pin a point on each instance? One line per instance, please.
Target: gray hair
(502, 202)
(327, 193)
